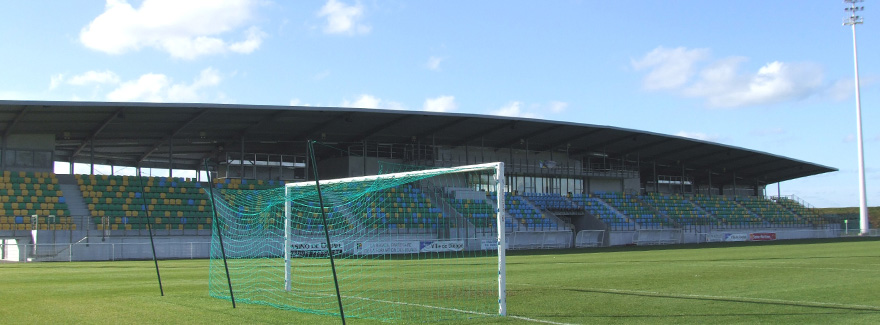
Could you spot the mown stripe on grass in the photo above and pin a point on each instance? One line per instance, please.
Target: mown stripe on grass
(795, 303)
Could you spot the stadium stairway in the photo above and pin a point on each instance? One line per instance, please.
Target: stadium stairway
(609, 215)
(802, 209)
(635, 210)
(458, 220)
(650, 207)
(79, 210)
(771, 212)
(473, 208)
(547, 213)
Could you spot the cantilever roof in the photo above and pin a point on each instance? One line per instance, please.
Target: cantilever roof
(132, 133)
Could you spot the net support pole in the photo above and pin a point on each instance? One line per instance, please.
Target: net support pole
(219, 231)
(155, 260)
(150, 229)
(326, 231)
(501, 216)
(287, 284)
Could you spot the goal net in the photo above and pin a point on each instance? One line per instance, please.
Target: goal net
(657, 236)
(405, 245)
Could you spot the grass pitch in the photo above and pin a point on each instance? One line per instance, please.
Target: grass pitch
(787, 282)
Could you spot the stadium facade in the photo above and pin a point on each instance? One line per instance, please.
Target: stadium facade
(614, 185)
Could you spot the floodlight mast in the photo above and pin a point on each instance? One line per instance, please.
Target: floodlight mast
(853, 20)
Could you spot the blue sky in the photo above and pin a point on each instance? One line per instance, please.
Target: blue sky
(774, 76)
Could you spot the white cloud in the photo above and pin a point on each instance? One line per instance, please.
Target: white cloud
(148, 88)
(557, 106)
(190, 92)
(534, 110)
(440, 104)
(364, 101)
(513, 109)
(253, 40)
(184, 29)
(153, 87)
(298, 102)
(698, 136)
(55, 81)
(343, 19)
(842, 89)
(434, 63)
(370, 101)
(670, 68)
(723, 86)
(94, 77)
(723, 83)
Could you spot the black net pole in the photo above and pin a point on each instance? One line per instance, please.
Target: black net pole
(150, 229)
(219, 231)
(326, 231)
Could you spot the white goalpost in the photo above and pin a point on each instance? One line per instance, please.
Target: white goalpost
(366, 238)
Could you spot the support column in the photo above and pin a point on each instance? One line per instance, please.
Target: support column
(241, 159)
(682, 179)
(171, 157)
(710, 183)
(92, 157)
(734, 186)
(656, 180)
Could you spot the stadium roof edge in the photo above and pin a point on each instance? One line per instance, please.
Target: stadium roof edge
(197, 130)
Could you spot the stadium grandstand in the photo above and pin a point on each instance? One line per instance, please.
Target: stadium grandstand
(567, 184)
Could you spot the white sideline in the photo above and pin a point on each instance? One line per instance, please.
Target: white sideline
(748, 299)
(742, 299)
(460, 310)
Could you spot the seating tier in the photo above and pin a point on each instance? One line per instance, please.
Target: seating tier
(24, 195)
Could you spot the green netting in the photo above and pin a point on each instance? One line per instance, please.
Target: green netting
(418, 246)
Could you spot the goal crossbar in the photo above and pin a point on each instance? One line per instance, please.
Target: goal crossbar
(415, 173)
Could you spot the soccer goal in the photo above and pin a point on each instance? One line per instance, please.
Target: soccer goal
(657, 236)
(404, 245)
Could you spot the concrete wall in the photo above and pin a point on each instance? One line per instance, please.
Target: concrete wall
(632, 185)
(342, 167)
(37, 149)
(31, 142)
(93, 246)
(605, 185)
(476, 154)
